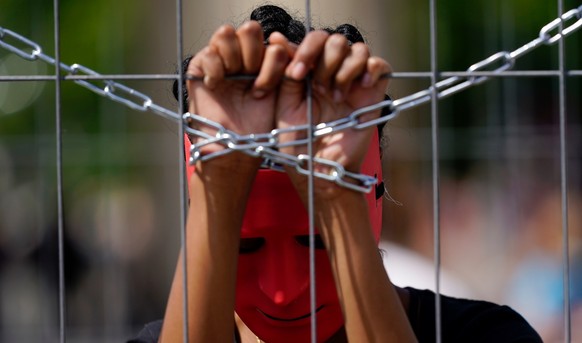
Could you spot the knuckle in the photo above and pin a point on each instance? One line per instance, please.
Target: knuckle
(338, 41)
(377, 63)
(342, 80)
(204, 54)
(319, 33)
(207, 51)
(225, 30)
(250, 28)
(360, 49)
(277, 51)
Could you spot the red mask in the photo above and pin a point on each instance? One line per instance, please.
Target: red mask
(272, 293)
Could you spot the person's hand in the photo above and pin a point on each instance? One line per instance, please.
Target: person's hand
(344, 78)
(242, 106)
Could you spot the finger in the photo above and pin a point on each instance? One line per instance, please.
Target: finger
(225, 41)
(306, 55)
(272, 70)
(280, 39)
(376, 68)
(194, 69)
(353, 66)
(250, 37)
(335, 50)
(208, 64)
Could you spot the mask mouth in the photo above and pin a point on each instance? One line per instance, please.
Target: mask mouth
(307, 315)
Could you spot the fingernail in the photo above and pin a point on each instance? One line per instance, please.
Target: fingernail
(259, 93)
(298, 71)
(208, 82)
(337, 95)
(367, 80)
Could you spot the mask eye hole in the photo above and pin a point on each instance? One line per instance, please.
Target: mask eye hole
(304, 241)
(250, 245)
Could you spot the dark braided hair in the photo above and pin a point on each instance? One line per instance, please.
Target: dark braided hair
(175, 87)
(275, 19)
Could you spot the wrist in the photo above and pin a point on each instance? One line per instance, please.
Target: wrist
(324, 190)
(231, 174)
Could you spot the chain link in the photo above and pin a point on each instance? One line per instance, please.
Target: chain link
(267, 145)
(31, 51)
(30, 56)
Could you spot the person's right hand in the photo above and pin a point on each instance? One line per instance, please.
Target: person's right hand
(242, 106)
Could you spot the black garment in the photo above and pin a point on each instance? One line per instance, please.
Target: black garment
(149, 333)
(465, 320)
(462, 320)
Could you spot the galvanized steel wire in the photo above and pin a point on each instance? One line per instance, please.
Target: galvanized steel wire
(494, 66)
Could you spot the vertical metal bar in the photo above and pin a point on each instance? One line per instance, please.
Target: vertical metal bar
(59, 165)
(310, 201)
(564, 181)
(311, 209)
(182, 165)
(435, 166)
(510, 121)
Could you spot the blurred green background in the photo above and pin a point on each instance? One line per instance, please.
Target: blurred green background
(499, 159)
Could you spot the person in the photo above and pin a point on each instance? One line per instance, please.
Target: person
(247, 230)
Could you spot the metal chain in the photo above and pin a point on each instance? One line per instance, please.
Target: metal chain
(498, 62)
(115, 91)
(267, 145)
(264, 144)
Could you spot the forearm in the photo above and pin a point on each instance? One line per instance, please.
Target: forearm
(372, 308)
(218, 195)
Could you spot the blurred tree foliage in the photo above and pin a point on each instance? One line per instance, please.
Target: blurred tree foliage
(468, 32)
(96, 34)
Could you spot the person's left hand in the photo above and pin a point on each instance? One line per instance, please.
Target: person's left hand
(344, 78)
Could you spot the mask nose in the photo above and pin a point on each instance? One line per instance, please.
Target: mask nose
(285, 277)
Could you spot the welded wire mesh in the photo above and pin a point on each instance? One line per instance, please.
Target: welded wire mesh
(485, 177)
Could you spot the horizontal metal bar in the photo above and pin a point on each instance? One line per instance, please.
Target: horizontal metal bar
(511, 73)
(396, 75)
(7, 78)
(144, 77)
(124, 77)
(507, 73)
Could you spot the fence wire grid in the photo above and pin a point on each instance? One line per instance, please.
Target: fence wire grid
(486, 184)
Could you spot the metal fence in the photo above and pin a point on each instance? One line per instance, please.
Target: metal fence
(486, 182)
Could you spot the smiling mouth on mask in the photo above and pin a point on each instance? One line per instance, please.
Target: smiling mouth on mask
(289, 319)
